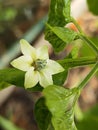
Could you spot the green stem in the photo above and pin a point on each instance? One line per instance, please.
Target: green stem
(90, 43)
(83, 37)
(70, 63)
(88, 77)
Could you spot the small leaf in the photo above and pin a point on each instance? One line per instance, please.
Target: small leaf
(60, 103)
(59, 13)
(59, 37)
(74, 53)
(12, 76)
(42, 114)
(15, 77)
(93, 6)
(4, 85)
(86, 50)
(8, 125)
(36, 88)
(60, 78)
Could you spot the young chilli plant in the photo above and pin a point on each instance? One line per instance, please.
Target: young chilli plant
(34, 71)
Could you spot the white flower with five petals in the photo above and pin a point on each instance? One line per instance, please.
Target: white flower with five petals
(37, 65)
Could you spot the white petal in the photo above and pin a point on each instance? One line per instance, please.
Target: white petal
(42, 53)
(27, 49)
(31, 78)
(53, 67)
(22, 63)
(45, 79)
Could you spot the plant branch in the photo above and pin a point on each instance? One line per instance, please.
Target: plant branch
(70, 63)
(83, 37)
(88, 77)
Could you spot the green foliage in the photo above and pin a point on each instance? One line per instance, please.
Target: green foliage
(93, 6)
(59, 13)
(90, 120)
(42, 114)
(7, 125)
(60, 103)
(12, 76)
(86, 50)
(59, 16)
(60, 78)
(7, 14)
(55, 111)
(4, 85)
(59, 37)
(74, 52)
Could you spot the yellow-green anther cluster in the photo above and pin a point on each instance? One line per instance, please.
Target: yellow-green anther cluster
(39, 64)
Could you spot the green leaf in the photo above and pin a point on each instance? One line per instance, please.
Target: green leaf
(12, 76)
(61, 102)
(59, 13)
(90, 120)
(42, 114)
(7, 125)
(92, 112)
(60, 78)
(36, 88)
(86, 50)
(88, 124)
(59, 37)
(74, 53)
(4, 85)
(93, 6)
(15, 77)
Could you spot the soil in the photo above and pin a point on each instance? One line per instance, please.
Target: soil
(19, 107)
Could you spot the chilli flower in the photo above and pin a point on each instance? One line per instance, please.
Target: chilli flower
(36, 63)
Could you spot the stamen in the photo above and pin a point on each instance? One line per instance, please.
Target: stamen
(39, 64)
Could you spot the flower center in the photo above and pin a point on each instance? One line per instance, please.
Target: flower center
(39, 64)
